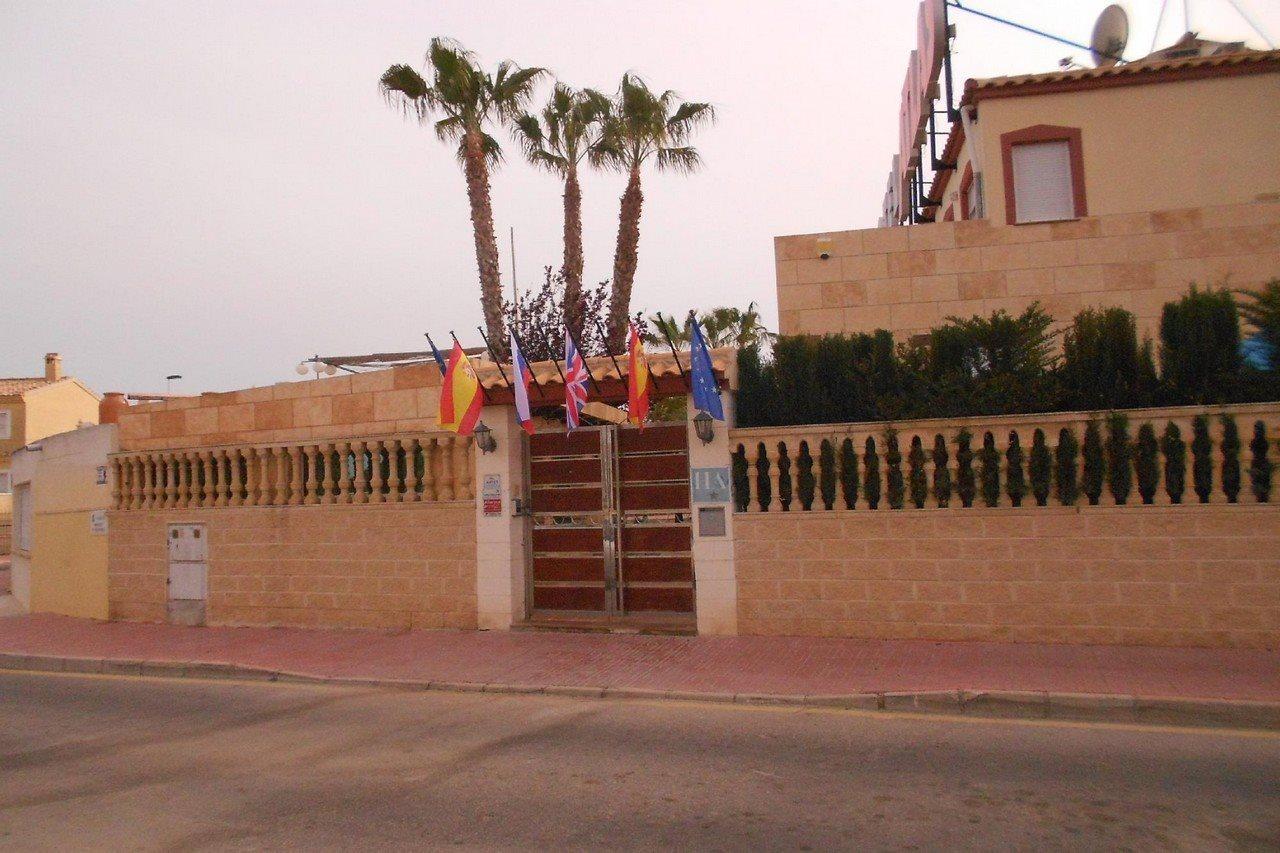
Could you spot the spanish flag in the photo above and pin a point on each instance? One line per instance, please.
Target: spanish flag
(460, 394)
(637, 379)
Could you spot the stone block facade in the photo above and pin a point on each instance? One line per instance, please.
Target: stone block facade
(910, 279)
(389, 566)
(398, 400)
(1164, 576)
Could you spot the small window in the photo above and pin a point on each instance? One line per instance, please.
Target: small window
(6, 483)
(22, 514)
(6, 424)
(1042, 186)
(972, 198)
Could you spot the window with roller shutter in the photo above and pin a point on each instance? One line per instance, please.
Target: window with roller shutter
(1043, 174)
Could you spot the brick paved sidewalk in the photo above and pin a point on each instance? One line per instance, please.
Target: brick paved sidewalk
(774, 665)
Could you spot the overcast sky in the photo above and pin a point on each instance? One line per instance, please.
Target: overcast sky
(218, 190)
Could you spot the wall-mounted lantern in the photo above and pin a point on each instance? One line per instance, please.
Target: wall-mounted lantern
(704, 427)
(484, 438)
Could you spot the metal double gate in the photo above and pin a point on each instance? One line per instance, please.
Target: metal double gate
(610, 514)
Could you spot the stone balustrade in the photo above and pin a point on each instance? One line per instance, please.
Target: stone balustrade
(371, 470)
(854, 466)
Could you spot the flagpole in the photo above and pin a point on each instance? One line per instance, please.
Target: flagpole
(662, 325)
(483, 396)
(520, 344)
(604, 341)
(435, 351)
(693, 319)
(546, 343)
(582, 355)
(496, 361)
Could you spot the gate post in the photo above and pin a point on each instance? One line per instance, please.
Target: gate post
(500, 533)
(715, 579)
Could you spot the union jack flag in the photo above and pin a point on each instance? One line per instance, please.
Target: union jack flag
(575, 383)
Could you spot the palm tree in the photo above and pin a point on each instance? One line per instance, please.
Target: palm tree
(642, 126)
(722, 327)
(569, 127)
(468, 100)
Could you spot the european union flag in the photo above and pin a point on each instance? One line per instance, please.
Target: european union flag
(706, 392)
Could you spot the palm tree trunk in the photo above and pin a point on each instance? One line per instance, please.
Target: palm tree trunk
(477, 173)
(625, 258)
(573, 251)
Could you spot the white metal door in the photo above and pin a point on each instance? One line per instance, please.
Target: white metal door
(188, 562)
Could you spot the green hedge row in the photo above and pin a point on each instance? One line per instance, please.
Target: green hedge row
(1006, 365)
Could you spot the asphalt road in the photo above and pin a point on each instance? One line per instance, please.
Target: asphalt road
(101, 762)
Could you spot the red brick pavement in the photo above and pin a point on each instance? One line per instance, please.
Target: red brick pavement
(778, 665)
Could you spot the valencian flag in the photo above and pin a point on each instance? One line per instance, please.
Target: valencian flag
(637, 379)
(575, 384)
(523, 374)
(460, 394)
(706, 392)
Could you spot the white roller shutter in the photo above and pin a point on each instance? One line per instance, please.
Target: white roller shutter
(1042, 181)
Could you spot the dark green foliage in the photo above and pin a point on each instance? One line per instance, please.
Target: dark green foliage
(1261, 310)
(1119, 458)
(871, 480)
(1103, 365)
(765, 488)
(785, 492)
(991, 365)
(1095, 464)
(989, 463)
(1041, 468)
(1146, 463)
(966, 488)
(918, 480)
(848, 473)
(941, 472)
(805, 481)
(1200, 347)
(1015, 481)
(1260, 467)
(741, 484)
(827, 474)
(1064, 468)
(1201, 459)
(755, 386)
(896, 490)
(1175, 463)
(1230, 459)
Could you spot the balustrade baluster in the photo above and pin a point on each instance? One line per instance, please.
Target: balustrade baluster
(311, 490)
(295, 476)
(394, 479)
(280, 486)
(751, 453)
(362, 473)
(263, 497)
(444, 485)
(344, 495)
(329, 450)
(429, 481)
(184, 480)
(250, 457)
(462, 469)
(773, 454)
(234, 494)
(410, 470)
(376, 479)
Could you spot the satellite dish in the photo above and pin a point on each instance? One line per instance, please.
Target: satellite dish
(1110, 35)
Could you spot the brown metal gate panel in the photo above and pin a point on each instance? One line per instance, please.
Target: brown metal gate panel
(611, 521)
(656, 537)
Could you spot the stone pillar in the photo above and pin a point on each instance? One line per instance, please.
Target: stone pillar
(716, 582)
(500, 539)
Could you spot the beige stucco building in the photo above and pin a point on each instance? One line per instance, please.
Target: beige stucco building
(30, 409)
(1117, 185)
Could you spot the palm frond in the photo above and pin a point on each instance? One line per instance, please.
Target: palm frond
(404, 89)
(683, 160)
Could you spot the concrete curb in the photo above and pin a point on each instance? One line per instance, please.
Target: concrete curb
(1039, 705)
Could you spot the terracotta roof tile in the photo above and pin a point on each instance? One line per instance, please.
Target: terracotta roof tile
(21, 385)
(601, 367)
(976, 89)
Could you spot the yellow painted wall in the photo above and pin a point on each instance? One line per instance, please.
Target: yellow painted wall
(1171, 145)
(69, 566)
(55, 408)
(68, 562)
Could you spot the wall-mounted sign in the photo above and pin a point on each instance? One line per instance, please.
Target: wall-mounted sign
(100, 476)
(491, 495)
(98, 522)
(710, 485)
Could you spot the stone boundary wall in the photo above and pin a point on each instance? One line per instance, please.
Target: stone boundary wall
(397, 400)
(1163, 576)
(391, 566)
(910, 279)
